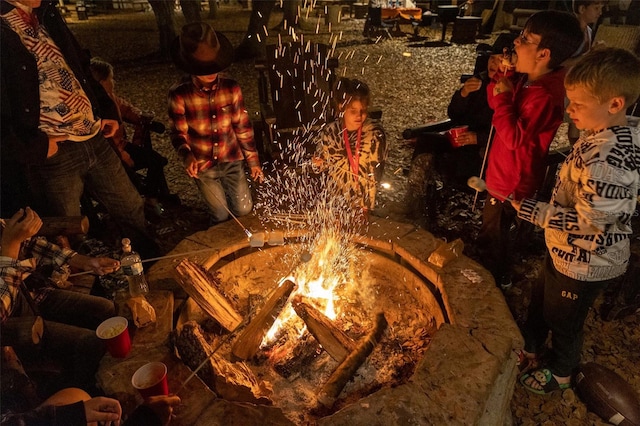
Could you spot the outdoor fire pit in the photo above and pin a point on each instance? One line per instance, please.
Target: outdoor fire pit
(443, 357)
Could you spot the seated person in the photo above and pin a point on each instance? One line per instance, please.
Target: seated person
(27, 297)
(353, 149)
(133, 153)
(435, 154)
(75, 407)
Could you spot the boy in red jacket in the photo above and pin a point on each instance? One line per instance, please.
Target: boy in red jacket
(528, 109)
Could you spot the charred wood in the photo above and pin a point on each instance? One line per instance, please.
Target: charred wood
(248, 343)
(345, 371)
(231, 381)
(337, 344)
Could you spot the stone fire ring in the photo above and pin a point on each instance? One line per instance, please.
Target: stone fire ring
(466, 376)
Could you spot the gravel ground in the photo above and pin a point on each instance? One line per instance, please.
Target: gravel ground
(412, 84)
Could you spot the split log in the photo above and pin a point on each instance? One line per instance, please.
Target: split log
(201, 286)
(345, 371)
(61, 225)
(246, 346)
(231, 381)
(337, 344)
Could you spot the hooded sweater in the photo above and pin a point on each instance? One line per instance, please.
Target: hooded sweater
(588, 222)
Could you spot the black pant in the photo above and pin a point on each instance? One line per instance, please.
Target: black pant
(155, 185)
(559, 304)
(495, 237)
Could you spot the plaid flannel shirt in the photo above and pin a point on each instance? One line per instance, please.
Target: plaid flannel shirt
(33, 253)
(213, 124)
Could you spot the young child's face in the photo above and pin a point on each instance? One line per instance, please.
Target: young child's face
(354, 115)
(590, 14)
(585, 109)
(496, 65)
(526, 49)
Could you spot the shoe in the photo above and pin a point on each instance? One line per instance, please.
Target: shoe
(542, 382)
(155, 208)
(506, 283)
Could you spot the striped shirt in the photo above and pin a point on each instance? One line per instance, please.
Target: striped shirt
(34, 252)
(213, 124)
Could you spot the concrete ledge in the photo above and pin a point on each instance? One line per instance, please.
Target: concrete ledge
(468, 372)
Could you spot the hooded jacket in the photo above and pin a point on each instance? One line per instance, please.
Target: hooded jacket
(525, 122)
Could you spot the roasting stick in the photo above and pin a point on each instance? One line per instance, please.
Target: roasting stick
(169, 256)
(484, 163)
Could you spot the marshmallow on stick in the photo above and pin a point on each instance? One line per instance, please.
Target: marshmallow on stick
(474, 182)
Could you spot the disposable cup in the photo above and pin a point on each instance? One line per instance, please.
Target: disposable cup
(454, 133)
(115, 333)
(151, 379)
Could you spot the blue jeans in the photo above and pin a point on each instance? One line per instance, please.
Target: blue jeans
(69, 333)
(93, 164)
(224, 186)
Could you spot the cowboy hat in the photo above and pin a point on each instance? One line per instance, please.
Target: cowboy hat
(200, 50)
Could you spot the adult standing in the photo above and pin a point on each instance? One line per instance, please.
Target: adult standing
(55, 118)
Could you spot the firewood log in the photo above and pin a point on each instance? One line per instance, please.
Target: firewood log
(337, 344)
(345, 371)
(199, 285)
(248, 343)
(232, 381)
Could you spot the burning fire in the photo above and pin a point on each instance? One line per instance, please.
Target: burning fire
(317, 281)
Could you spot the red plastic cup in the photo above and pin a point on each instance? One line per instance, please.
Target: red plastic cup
(115, 333)
(453, 134)
(151, 379)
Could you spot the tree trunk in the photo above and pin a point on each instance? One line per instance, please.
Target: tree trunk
(252, 46)
(291, 14)
(191, 10)
(213, 9)
(163, 10)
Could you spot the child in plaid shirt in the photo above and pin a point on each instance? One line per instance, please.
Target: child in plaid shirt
(210, 128)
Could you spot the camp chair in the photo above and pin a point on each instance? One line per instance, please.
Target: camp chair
(294, 86)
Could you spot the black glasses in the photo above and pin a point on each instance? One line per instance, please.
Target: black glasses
(524, 40)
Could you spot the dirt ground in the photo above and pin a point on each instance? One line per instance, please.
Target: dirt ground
(412, 83)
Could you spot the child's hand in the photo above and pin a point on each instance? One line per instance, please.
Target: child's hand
(467, 138)
(471, 85)
(256, 174)
(516, 204)
(317, 163)
(22, 226)
(503, 85)
(191, 165)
